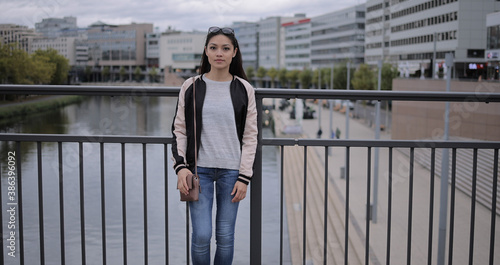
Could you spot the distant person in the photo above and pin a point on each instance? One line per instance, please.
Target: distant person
(226, 121)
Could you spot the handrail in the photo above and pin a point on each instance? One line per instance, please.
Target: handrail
(260, 92)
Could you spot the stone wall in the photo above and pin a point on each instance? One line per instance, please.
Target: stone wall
(425, 120)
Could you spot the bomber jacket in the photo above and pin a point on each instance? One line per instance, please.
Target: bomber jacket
(245, 113)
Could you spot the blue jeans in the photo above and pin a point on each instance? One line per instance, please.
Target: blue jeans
(201, 216)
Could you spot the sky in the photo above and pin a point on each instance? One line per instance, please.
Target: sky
(185, 15)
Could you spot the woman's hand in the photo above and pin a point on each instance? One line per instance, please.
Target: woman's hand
(239, 191)
(182, 185)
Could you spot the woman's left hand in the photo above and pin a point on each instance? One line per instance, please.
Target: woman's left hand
(239, 191)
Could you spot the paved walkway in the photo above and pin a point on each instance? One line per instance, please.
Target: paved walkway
(294, 172)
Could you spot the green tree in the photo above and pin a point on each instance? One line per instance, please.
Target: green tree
(340, 77)
(60, 75)
(325, 76)
(314, 77)
(42, 70)
(363, 78)
(292, 77)
(283, 77)
(123, 72)
(14, 65)
(152, 73)
(272, 73)
(137, 74)
(305, 78)
(250, 72)
(261, 73)
(388, 74)
(105, 73)
(88, 73)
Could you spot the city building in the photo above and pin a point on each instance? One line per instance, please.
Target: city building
(55, 27)
(21, 36)
(297, 44)
(181, 51)
(117, 46)
(248, 40)
(153, 49)
(65, 46)
(493, 45)
(410, 34)
(338, 37)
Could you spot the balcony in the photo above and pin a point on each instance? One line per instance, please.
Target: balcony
(326, 194)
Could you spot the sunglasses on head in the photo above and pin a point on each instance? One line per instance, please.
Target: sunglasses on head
(227, 31)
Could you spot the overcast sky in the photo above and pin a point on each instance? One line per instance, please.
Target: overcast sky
(179, 14)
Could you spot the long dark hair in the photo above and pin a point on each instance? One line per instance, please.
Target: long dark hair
(236, 66)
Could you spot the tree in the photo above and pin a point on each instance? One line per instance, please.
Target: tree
(388, 74)
(137, 73)
(14, 65)
(88, 73)
(340, 77)
(123, 72)
(282, 76)
(261, 73)
(42, 70)
(272, 73)
(60, 75)
(292, 76)
(250, 73)
(314, 77)
(305, 78)
(152, 73)
(105, 73)
(363, 78)
(325, 76)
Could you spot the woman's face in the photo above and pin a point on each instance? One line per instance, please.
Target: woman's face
(220, 52)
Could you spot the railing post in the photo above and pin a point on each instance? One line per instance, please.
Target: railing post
(256, 196)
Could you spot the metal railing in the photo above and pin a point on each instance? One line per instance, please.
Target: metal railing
(256, 186)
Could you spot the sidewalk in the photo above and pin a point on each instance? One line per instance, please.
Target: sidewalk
(358, 201)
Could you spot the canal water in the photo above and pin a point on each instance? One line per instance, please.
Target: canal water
(118, 116)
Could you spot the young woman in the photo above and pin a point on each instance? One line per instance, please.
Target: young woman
(226, 137)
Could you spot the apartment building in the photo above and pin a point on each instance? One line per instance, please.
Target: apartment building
(297, 44)
(153, 49)
(181, 51)
(248, 39)
(65, 46)
(21, 36)
(337, 37)
(411, 34)
(493, 46)
(117, 46)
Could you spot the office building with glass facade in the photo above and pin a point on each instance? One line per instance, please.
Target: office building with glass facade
(410, 34)
(338, 37)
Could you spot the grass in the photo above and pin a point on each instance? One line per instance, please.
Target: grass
(27, 107)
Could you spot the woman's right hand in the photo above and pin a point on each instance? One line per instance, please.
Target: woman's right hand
(182, 185)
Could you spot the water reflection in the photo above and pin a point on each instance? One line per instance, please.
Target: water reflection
(117, 116)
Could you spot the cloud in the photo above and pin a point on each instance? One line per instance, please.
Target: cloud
(179, 14)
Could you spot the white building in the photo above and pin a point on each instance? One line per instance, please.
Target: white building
(65, 46)
(181, 51)
(456, 27)
(493, 45)
(297, 44)
(20, 36)
(337, 37)
(153, 49)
